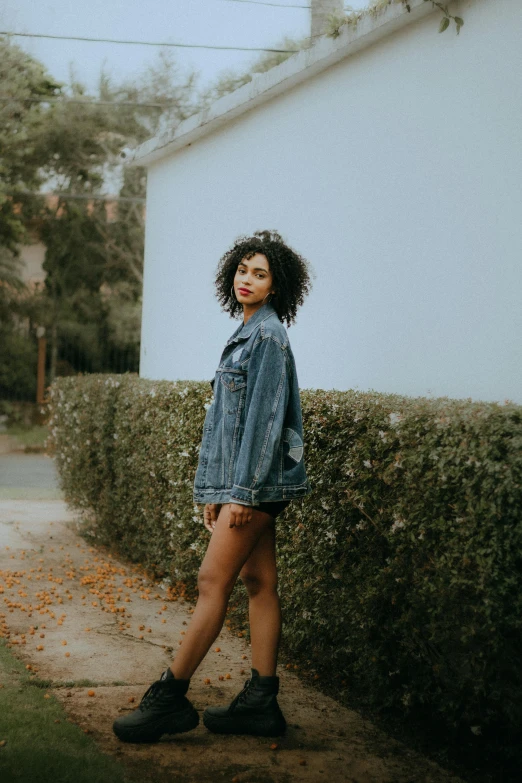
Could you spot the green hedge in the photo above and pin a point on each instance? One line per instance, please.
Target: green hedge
(400, 574)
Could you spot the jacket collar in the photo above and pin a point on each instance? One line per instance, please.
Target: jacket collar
(244, 331)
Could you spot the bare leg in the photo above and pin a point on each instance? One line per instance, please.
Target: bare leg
(228, 550)
(259, 575)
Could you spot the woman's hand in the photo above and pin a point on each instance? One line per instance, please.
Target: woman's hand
(210, 515)
(239, 515)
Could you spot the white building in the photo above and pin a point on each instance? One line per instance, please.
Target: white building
(390, 157)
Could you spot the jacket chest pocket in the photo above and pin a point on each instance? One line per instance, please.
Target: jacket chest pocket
(234, 389)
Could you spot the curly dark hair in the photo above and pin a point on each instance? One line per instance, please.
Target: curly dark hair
(290, 274)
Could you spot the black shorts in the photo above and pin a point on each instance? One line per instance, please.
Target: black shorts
(274, 508)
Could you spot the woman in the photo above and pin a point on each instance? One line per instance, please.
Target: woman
(251, 464)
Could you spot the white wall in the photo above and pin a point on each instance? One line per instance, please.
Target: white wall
(398, 174)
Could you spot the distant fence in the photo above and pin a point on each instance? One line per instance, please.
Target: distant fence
(19, 364)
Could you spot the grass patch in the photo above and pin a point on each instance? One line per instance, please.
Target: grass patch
(36, 682)
(29, 436)
(38, 748)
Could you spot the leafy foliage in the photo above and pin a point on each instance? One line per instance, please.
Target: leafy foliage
(400, 574)
(21, 124)
(17, 363)
(352, 18)
(231, 80)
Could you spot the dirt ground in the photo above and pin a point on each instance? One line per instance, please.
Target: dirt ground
(76, 615)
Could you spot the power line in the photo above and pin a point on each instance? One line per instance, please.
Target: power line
(7, 98)
(146, 43)
(275, 5)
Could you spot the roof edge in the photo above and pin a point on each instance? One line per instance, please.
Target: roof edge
(263, 87)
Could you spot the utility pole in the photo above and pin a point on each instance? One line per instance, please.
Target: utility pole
(40, 378)
(321, 10)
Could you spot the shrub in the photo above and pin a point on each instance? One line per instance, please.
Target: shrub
(400, 574)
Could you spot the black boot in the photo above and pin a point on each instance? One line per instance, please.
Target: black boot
(162, 710)
(253, 711)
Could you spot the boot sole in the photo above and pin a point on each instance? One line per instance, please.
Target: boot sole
(230, 725)
(172, 724)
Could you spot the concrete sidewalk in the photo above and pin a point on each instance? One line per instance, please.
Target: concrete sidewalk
(73, 613)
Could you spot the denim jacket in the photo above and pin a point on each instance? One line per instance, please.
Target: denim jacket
(252, 448)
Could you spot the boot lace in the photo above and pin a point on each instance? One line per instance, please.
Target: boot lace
(149, 695)
(240, 698)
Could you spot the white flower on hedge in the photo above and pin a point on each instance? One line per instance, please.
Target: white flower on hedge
(397, 525)
(169, 514)
(382, 435)
(115, 435)
(193, 546)
(153, 392)
(87, 442)
(195, 518)
(360, 525)
(394, 418)
(336, 576)
(184, 454)
(151, 473)
(367, 463)
(330, 535)
(306, 615)
(180, 524)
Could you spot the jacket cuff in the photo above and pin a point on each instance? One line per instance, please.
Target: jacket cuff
(243, 496)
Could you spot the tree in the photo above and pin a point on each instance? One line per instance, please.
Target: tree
(21, 121)
(94, 249)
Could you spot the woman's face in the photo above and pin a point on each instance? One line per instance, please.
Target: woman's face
(253, 281)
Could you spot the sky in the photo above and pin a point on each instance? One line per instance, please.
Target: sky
(215, 22)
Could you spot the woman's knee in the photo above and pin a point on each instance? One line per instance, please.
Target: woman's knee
(259, 583)
(210, 580)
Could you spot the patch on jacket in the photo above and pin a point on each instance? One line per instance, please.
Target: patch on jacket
(295, 444)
